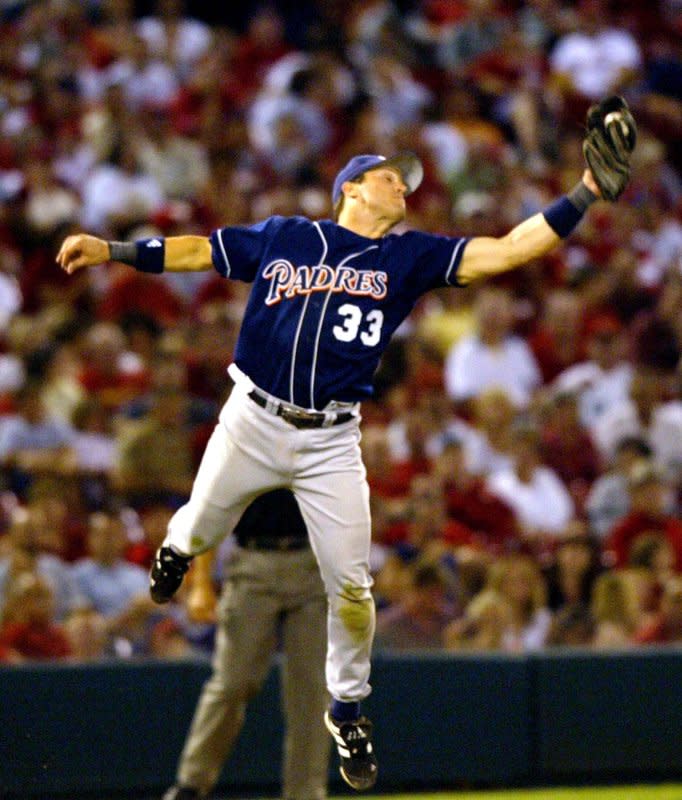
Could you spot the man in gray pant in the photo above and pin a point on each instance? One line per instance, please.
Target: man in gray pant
(273, 592)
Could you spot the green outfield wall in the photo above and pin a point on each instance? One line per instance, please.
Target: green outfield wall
(116, 729)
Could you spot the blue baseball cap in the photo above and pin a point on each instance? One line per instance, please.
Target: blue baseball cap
(408, 164)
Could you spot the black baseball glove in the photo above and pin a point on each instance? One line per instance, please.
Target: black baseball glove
(610, 140)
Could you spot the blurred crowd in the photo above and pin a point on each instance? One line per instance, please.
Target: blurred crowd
(524, 448)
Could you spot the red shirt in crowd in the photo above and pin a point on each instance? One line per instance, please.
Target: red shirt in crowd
(636, 523)
(35, 642)
(489, 520)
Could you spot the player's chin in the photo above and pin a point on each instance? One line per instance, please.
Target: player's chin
(399, 213)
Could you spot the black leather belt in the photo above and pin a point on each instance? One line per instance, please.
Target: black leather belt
(298, 417)
(282, 544)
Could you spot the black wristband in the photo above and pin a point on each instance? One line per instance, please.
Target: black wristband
(566, 212)
(581, 197)
(146, 255)
(124, 252)
(151, 254)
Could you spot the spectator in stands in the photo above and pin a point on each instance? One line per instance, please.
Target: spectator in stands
(575, 566)
(154, 517)
(62, 502)
(492, 358)
(489, 520)
(29, 628)
(418, 620)
(482, 626)
(400, 99)
(129, 294)
(608, 500)
(179, 164)
(572, 626)
(110, 371)
(23, 551)
(108, 582)
(61, 389)
(667, 627)
(478, 32)
(30, 442)
(615, 610)
(167, 640)
(604, 379)
(557, 341)
(540, 500)
(654, 553)
(172, 34)
(385, 475)
(209, 346)
(113, 587)
(411, 437)
(567, 447)
(93, 441)
(417, 422)
(518, 582)
(88, 635)
(487, 450)
(428, 530)
(634, 416)
(419, 531)
(649, 512)
(448, 321)
(598, 57)
(288, 127)
(155, 452)
(147, 81)
(117, 195)
(665, 433)
(48, 205)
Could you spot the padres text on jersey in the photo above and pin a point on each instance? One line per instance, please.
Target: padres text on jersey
(325, 301)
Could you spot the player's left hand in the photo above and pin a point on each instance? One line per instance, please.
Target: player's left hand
(82, 250)
(611, 138)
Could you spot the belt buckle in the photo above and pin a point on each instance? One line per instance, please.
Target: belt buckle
(300, 419)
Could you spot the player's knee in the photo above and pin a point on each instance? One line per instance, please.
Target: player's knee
(356, 611)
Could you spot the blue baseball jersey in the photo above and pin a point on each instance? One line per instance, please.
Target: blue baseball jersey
(325, 301)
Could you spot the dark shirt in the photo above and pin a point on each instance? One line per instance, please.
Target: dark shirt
(273, 519)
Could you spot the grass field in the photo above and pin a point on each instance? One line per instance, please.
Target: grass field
(656, 792)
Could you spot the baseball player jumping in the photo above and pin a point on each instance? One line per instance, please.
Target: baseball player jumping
(326, 297)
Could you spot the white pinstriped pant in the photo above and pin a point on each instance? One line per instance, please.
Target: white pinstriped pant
(252, 451)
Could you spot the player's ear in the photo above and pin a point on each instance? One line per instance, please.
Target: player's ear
(350, 188)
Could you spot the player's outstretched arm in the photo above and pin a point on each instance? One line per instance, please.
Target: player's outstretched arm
(174, 254)
(487, 256)
(607, 147)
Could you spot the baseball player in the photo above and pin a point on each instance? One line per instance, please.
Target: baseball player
(272, 589)
(326, 297)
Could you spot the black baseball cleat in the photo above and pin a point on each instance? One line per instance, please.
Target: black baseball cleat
(178, 792)
(166, 574)
(359, 766)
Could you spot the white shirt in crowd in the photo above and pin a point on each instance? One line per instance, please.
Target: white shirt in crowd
(471, 367)
(598, 389)
(542, 505)
(192, 39)
(664, 432)
(595, 62)
(109, 191)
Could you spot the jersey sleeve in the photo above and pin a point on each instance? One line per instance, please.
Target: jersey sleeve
(435, 259)
(237, 251)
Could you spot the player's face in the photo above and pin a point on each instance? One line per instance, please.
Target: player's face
(383, 192)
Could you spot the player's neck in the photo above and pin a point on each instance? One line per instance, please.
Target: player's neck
(365, 225)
